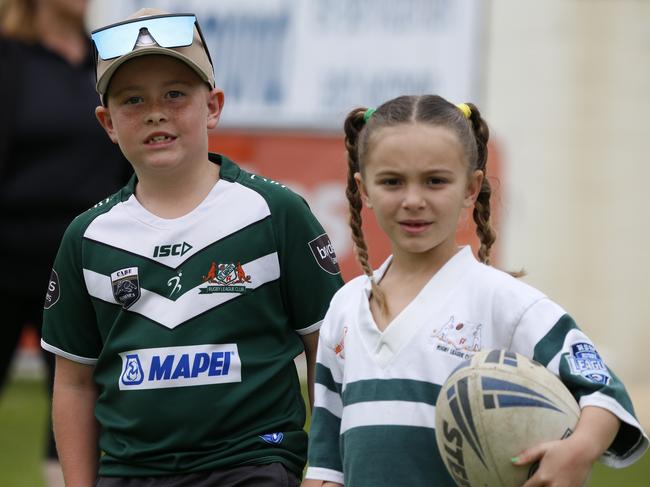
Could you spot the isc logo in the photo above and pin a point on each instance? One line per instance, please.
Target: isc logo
(173, 249)
(157, 368)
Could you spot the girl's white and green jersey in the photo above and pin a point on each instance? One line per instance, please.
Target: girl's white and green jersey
(192, 324)
(375, 394)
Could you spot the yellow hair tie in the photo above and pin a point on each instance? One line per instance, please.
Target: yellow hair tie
(464, 107)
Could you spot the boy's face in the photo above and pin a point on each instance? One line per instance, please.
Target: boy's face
(159, 112)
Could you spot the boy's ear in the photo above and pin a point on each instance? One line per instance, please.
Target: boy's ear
(104, 117)
(215, 105)
(474, 183)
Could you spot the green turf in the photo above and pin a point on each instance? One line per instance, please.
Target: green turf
(23, 419)
(22, 428)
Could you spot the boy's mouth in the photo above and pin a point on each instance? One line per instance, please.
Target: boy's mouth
(159, 138)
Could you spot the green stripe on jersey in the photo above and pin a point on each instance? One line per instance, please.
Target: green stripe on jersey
(391, 390)
(389, 456)
(549, 346)
(324, 378)
(325, 426)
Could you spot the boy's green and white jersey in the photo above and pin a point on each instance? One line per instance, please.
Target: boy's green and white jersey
(375, 394)
(192, 324)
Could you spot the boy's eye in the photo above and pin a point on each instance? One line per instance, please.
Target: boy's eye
(175, 94)
(132, 100)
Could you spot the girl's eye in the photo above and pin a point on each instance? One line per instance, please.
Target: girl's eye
(436, 181)
(390, 182)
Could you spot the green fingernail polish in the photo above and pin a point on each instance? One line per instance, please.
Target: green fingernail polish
(514, 459)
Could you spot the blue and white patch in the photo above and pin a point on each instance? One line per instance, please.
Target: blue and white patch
(273, 438)
(197, 365)
(585, 361)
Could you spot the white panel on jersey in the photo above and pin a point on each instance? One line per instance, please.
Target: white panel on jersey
(385, 345)
(192, 303)
(535, 323)
(167, 240)
(329, 400)
(398, 413)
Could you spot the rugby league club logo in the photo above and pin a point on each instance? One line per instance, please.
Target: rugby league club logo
(225, 278)
(459, 338)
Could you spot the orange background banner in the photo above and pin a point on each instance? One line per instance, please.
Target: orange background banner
(315, 166)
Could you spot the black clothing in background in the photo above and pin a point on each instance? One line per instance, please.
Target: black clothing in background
(55, 162)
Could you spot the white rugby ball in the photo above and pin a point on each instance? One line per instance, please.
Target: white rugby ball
(493, 407)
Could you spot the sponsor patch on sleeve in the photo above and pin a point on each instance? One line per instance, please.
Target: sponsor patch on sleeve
(53, 291)
(323, 251)
(584, 360)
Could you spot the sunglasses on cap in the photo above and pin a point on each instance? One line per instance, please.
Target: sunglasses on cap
(168, 30)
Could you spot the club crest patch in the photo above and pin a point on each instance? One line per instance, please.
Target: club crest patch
(584, 360)
(126, 286)
(323, 251)
(458, 337)
(53, 291)
(225, 278)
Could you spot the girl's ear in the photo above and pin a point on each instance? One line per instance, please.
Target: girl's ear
(103, 115)
(215, 106)
(474, 183)
(362, 189)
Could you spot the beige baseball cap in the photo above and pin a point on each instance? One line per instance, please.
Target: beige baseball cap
(195, 55)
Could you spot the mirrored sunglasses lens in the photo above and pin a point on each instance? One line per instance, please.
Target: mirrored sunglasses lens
(178, 33)
(116, 41)
(166, 31)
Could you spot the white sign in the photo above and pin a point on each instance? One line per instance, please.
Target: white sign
(306, 63)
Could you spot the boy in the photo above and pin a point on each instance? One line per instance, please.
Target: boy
(177, 305)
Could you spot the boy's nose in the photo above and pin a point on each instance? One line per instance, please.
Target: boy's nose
(155, 115)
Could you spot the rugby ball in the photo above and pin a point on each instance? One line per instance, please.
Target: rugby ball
(494, 406)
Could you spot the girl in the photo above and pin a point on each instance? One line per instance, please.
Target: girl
(391, 337)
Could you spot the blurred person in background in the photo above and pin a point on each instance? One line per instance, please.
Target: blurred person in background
(47, 132)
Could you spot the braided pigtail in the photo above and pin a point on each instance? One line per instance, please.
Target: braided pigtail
(482, 211)
(354, 123)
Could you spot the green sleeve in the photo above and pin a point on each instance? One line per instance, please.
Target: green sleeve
(309, 272)
(69, 322)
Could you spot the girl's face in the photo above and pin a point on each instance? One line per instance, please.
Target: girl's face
(416, 180)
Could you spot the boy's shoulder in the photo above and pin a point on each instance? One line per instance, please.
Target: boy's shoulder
(82, 221)
(276, 194)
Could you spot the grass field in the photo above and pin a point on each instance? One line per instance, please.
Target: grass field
(22, 426)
